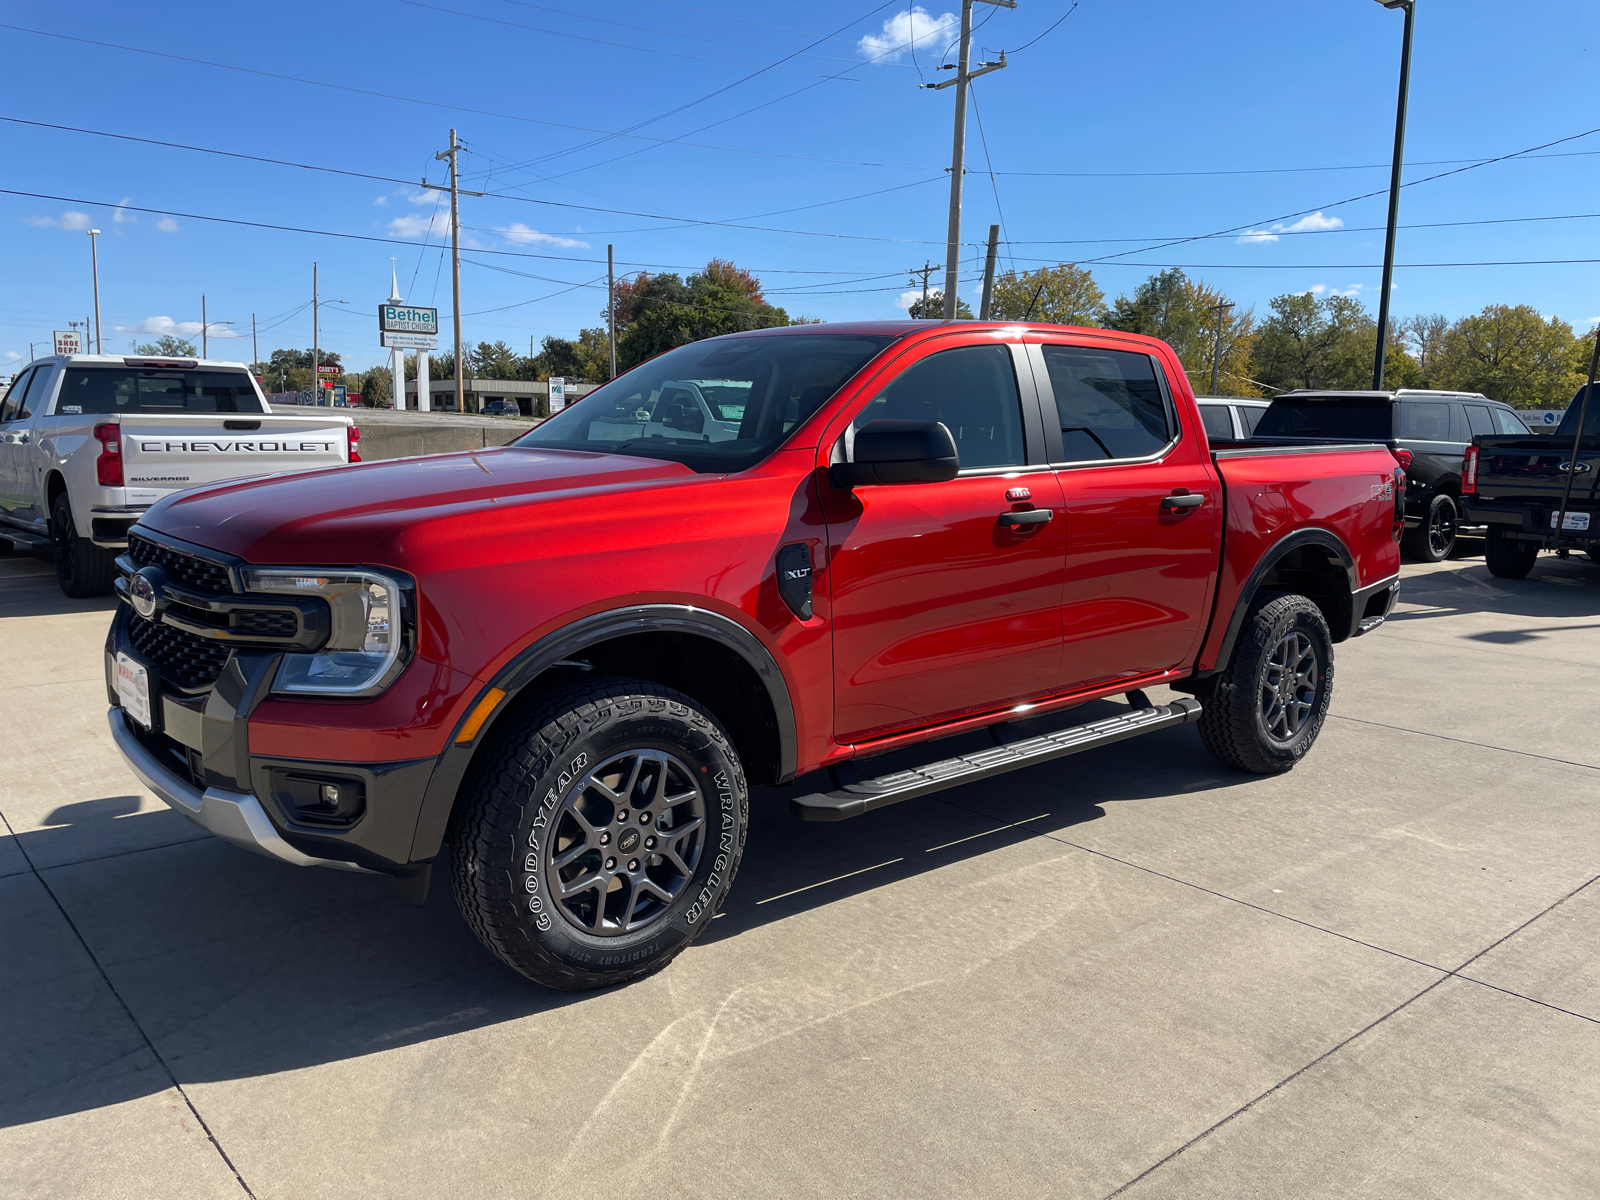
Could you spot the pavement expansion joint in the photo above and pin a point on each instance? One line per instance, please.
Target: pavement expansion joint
(1445, 737)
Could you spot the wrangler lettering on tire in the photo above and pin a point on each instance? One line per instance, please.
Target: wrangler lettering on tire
(598, 832)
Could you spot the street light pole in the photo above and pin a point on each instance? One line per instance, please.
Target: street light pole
(1216, 347)
(316, 375)
(205, 349)
(94, 260)
(1394, 188)
(611, 308)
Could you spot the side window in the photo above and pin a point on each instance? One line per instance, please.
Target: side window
(1216, 421)
(1109, 402)
(1426, 421)
(1478, 419)
(1509, 422)
(8, 406)
(1249, 418)
(1459, 430)
(972, 389)
(32, 400)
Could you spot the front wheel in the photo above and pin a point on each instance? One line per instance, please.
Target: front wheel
(82, 568)
(1435, 539)
(598, 831)
(1508, 558)
(1264, 710)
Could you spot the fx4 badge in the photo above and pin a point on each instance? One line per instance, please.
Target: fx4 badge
(1383, 491)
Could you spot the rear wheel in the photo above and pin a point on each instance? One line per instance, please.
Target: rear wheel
(1509, 558)
(1435, 539)
(598, 832)
(82, 568)
(1594, 556)
(1264, 710)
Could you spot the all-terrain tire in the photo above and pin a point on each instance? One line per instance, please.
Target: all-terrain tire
(1435, 539)
(557, 776)
(1264, 710)
(82, 568)
(1508, 558)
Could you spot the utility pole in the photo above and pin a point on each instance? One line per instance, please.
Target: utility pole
(1216, 347)
(316, 375)
(94, 260)
(611, 307)
(204, 328)
(255, 350)
(963, 77)
(988, 273)
(926, 269)
(456, 191)
(1394, 188)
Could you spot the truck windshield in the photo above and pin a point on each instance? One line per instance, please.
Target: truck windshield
(715, 406)
(1359, 418)
(1591, 419)
(155, 390)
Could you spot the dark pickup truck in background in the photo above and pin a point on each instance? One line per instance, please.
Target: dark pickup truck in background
(1515, 485)
(1428, 431)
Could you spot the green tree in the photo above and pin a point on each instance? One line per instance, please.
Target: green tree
(1512, 354)
(933, 310)
(289, 370)
(1065, 294)
(1187, 314)
(167, 346)
(1423, 336)
(375, 385)
(659, 312)
(492, 360)
(1314, 343)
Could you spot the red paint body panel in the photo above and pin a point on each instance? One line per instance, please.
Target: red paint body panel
(928, 616)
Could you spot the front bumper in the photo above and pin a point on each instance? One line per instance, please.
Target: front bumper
(235, 817)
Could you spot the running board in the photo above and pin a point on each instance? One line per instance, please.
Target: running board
(853, 799)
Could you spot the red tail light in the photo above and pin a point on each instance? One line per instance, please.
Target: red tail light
(108, 467)
(1404, 458)
(1469, 472)
(354, 437)
(1398, 529)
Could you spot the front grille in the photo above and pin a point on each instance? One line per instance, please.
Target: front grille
(265, 623)
(187, 660)
(186, 570)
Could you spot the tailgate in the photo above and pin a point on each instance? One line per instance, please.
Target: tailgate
(1534, 468)
(162, 454)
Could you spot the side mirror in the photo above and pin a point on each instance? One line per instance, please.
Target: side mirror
(898, 452)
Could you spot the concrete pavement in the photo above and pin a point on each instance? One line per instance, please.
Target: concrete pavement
(1135, 972)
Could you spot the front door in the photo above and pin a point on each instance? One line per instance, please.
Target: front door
(1143, 513)
(939, 609)
(16, 444)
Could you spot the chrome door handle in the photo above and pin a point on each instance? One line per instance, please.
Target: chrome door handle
(1032, 516)
(1182, 501)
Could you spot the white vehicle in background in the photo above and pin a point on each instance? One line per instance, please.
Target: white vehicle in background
(705, 408)
(88, 442)
(1230, 418)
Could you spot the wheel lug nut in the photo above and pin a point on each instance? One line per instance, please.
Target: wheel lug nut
(605, 839)
(649, 843)
(611, 864)
(644, 818)
(633, 865)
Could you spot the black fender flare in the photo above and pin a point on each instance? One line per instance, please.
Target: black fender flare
(571, 640)
(1322, 538)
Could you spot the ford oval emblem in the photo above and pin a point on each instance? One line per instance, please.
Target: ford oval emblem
(144, 591)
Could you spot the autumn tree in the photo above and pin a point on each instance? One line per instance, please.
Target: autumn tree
(1309, 342)
(659, 312)
(1187, 314)
(1423, 335)
(1065, 294)
(1512, 354)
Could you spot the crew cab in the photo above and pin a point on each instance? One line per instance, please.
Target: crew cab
(1520, 486)
(567, 659)
(1428, 432)
(89, 442)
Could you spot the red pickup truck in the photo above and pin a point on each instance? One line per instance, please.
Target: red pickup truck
(567, 659)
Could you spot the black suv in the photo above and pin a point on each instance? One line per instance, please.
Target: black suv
(1428, 432)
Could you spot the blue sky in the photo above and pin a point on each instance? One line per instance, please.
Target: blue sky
(1134, 122)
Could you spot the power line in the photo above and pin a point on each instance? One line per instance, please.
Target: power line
(1048, 31)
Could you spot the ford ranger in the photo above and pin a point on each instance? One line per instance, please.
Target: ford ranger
(559, 665)
(88, 442)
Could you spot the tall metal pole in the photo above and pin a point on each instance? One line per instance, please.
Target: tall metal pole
(94, 260)
(1216, 347)
(611, 307)
(455, 263)
(204, 328)
(952, 264)
(255, 348)
(988, 273)
(316, 375)
(1394, 189)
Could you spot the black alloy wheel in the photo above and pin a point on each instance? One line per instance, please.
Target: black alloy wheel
(1434, 540)
(598, 831)
(1263, 711)
(82, 568)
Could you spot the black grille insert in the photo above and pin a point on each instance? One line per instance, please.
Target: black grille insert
(183, 658)
(187, 570)
(258, 622)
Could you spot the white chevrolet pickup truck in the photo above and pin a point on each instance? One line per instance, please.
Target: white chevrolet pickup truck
(88, 442)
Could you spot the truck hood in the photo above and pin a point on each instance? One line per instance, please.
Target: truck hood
(337, 516)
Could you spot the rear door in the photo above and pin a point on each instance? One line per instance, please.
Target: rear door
(1434, 431)
(1143, 510)
(940, 610)
(18, 440)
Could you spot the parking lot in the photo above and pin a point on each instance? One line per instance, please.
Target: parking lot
(1133, 972)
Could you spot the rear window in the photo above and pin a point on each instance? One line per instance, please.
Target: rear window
(1509, 422)
(151, 390)
(1250, 417)
(1109, 402)
(1357, 418)
(1591, 419)
(1216, 421)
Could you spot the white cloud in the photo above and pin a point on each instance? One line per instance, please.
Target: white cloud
(912, 29)
(70, 221)
(1315, 223)
(163, 326)
(13, 356)
(167, 225)
(414, 226)
(906, 299)
(1322, 289)
(520, 234)
(121, 215)
(383, 200)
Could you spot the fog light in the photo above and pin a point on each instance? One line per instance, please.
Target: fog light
(330, 795)
(318, 799)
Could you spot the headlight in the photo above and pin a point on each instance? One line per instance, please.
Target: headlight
(370, 612)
